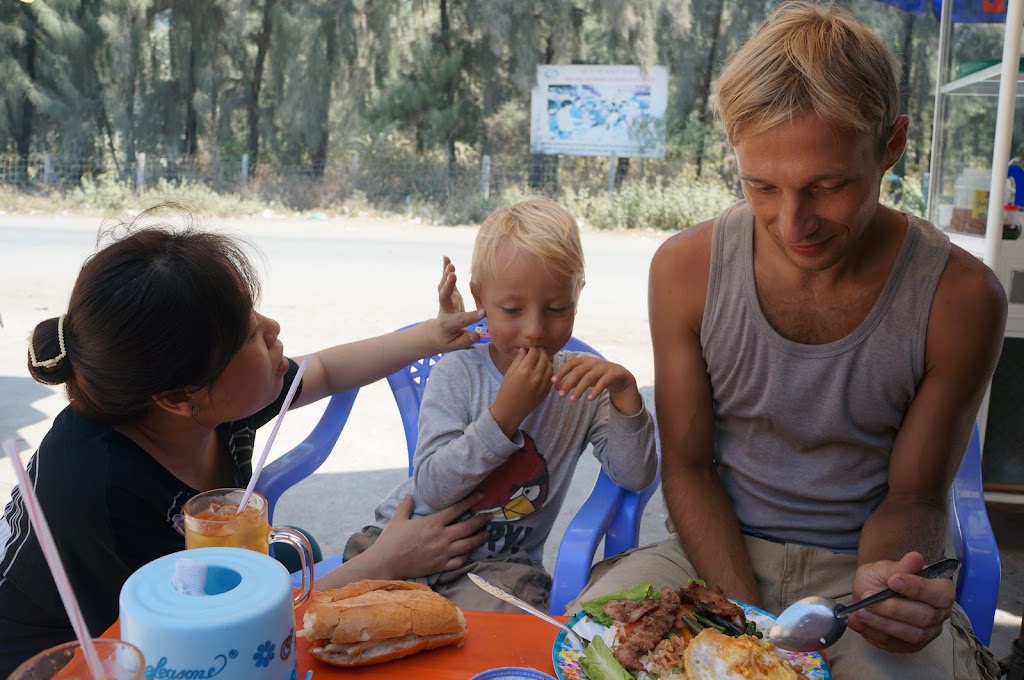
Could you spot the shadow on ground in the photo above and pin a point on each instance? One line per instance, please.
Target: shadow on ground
(17, 396)
(1007, 520)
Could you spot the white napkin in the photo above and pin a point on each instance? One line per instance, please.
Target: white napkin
(189, 576)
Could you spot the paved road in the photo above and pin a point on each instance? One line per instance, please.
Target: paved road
(331, 281)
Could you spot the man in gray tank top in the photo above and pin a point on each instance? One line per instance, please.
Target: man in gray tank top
(819, 362)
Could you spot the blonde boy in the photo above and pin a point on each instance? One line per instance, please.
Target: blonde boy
(509, 419)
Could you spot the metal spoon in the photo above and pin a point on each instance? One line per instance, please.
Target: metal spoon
(576, 639)
(814, 623)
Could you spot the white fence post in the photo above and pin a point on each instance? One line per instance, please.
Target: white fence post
(245, 169)
(485, 176)
(48, 170)
(140, 172)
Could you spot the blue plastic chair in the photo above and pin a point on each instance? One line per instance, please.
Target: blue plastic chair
(610, 512)
(299, 463)
(977, 588)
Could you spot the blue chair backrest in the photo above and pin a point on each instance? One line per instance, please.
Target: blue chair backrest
(977, 588)
(408, 384)
(300, 462)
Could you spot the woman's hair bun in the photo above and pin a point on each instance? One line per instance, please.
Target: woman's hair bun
(47, 352)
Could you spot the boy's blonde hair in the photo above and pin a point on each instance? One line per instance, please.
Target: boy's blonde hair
(807, 57)
(536, 225)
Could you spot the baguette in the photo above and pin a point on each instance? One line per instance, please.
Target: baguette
(376, 621)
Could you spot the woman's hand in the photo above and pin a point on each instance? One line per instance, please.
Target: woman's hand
(448, 330)
(901, 624)
(410, 548)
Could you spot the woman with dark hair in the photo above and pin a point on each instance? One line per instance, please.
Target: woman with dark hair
(169, 370)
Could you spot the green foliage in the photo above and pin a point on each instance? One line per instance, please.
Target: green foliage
(905, 194)
(107, 195)
(675, 204)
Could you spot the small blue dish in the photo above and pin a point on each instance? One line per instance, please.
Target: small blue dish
(512, 673)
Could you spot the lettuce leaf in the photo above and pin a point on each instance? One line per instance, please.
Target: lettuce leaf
(599, 663)
(640, 591)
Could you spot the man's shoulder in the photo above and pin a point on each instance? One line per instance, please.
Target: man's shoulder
(692, 242)
(966, 279)
(968, 312)
(680, 272)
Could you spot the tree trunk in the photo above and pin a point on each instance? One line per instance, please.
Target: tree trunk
(330, 29)
(906, 61)
(256, 83)
(23, 130)
(134, 60)
(621, 170)
(705, 94)
(191, 119)
(543, 172)
(449, 100)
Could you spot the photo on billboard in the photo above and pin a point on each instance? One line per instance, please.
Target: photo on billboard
(599, 111)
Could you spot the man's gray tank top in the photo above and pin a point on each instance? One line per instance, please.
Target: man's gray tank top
(803, 432)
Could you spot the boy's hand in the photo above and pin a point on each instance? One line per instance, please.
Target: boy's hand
(580, 374)
(527, 381)
(449, 328)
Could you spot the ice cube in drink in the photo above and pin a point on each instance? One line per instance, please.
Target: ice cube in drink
(221, 525)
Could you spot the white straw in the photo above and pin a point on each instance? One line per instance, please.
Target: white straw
(273, 434)
(60, 577)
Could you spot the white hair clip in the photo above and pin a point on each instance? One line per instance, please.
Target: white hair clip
(49, 363)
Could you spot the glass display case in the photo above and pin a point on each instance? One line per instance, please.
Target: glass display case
(963, 154)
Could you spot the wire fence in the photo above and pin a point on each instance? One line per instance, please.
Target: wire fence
(381, 181)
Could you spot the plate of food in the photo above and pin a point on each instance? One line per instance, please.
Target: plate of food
(694, 633)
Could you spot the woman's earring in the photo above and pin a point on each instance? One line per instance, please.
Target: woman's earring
(195, 411)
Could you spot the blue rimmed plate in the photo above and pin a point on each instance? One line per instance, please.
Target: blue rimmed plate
(566, 659)
(512, 673)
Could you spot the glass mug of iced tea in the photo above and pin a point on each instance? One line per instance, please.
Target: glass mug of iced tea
(212, 520)
(118, 660)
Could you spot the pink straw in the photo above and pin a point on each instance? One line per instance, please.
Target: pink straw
(273, 434)
(60, 577)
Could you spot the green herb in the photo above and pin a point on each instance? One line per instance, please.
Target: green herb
(692, 623)
(724, 625)
(640, 591)
(599, 663)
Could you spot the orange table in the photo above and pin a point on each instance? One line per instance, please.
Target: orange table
(492, 640)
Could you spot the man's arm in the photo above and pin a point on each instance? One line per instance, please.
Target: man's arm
(700, 509)
(965, 334)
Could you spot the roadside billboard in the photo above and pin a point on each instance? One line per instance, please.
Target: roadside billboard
(599, 111)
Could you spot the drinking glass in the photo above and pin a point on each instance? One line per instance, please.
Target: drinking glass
(212, 519)
(119, 660)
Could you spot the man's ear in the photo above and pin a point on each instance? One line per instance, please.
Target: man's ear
(178, 402)
(897, 142)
